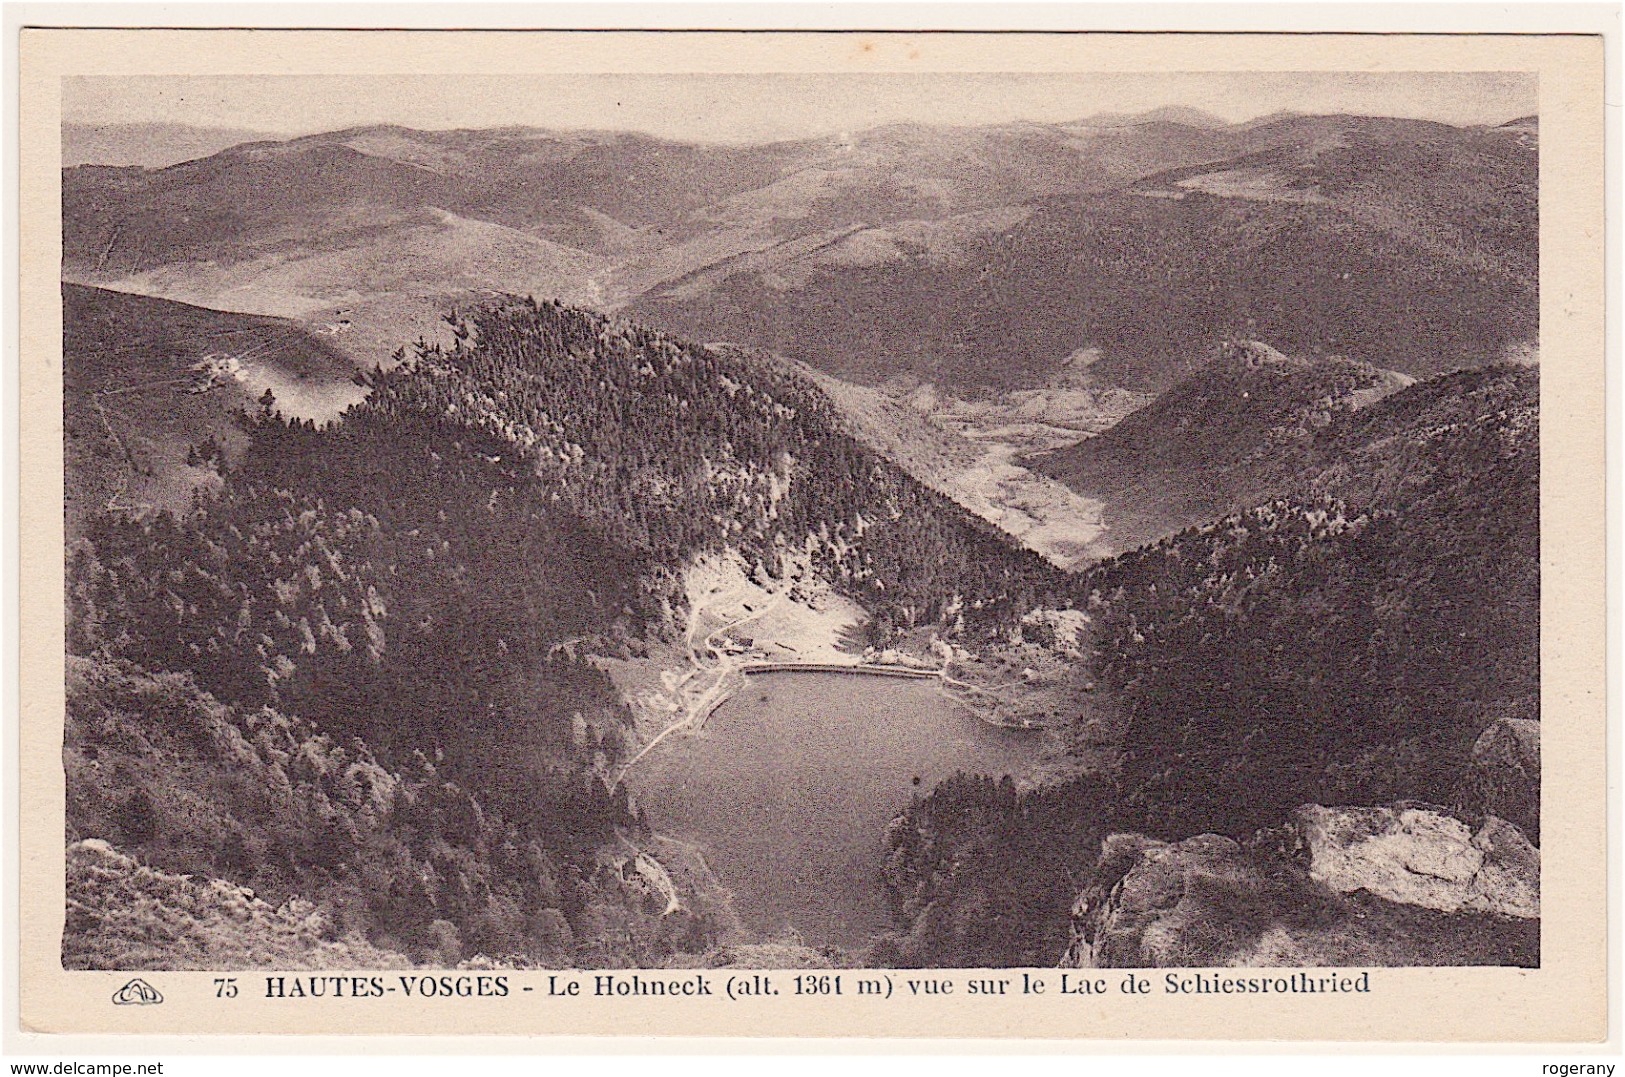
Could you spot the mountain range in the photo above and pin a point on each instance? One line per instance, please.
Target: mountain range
(973, 257)
(394, 458)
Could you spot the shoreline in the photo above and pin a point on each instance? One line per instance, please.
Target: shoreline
(719, 693)
(717, 669)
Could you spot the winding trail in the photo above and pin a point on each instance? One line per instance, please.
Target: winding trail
(713, 697)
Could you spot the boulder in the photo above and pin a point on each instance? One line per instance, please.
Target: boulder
(1509, 742)
(1415, 856)
(1504, 773)
(1398, 885)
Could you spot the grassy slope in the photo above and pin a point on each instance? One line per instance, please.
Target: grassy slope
(129, 413)
(977, 256)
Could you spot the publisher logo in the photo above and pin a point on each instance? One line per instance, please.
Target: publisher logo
(137, 992)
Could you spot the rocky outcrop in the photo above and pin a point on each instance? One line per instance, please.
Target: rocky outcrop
(1510, 742)
(1504, 772)
(1419, 857)
(1406, 884)
(125, 915)
(1157, 903)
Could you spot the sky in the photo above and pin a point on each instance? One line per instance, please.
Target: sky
(754, 108)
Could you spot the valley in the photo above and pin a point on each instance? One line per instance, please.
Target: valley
(517, 507)
(975, 450)
(1005, 429)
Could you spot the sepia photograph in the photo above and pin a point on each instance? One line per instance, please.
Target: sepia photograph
(922, 530)
(660, 524)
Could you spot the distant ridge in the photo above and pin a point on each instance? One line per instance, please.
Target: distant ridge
(1180, 114)
(148, 145)
(970, 256)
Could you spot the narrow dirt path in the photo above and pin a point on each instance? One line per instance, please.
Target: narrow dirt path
(723, 666)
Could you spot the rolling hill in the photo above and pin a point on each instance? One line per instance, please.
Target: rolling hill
(967, 257)
(1408, 245)
(604, 193)
(1228, 436)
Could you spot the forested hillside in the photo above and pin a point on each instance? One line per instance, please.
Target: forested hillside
(1411, 246)
(981, 874)
(1239, 429)
(1349, 643)
(399, 614)
(1346, 643)
(351, 850)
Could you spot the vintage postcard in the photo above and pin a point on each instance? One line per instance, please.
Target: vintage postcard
(1047, 535)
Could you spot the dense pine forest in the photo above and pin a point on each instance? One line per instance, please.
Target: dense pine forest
(981, 874)
(417, 593)
(1349, 644)
(373, 654)
(1344, 645)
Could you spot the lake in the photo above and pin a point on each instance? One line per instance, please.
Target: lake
(790, 786)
